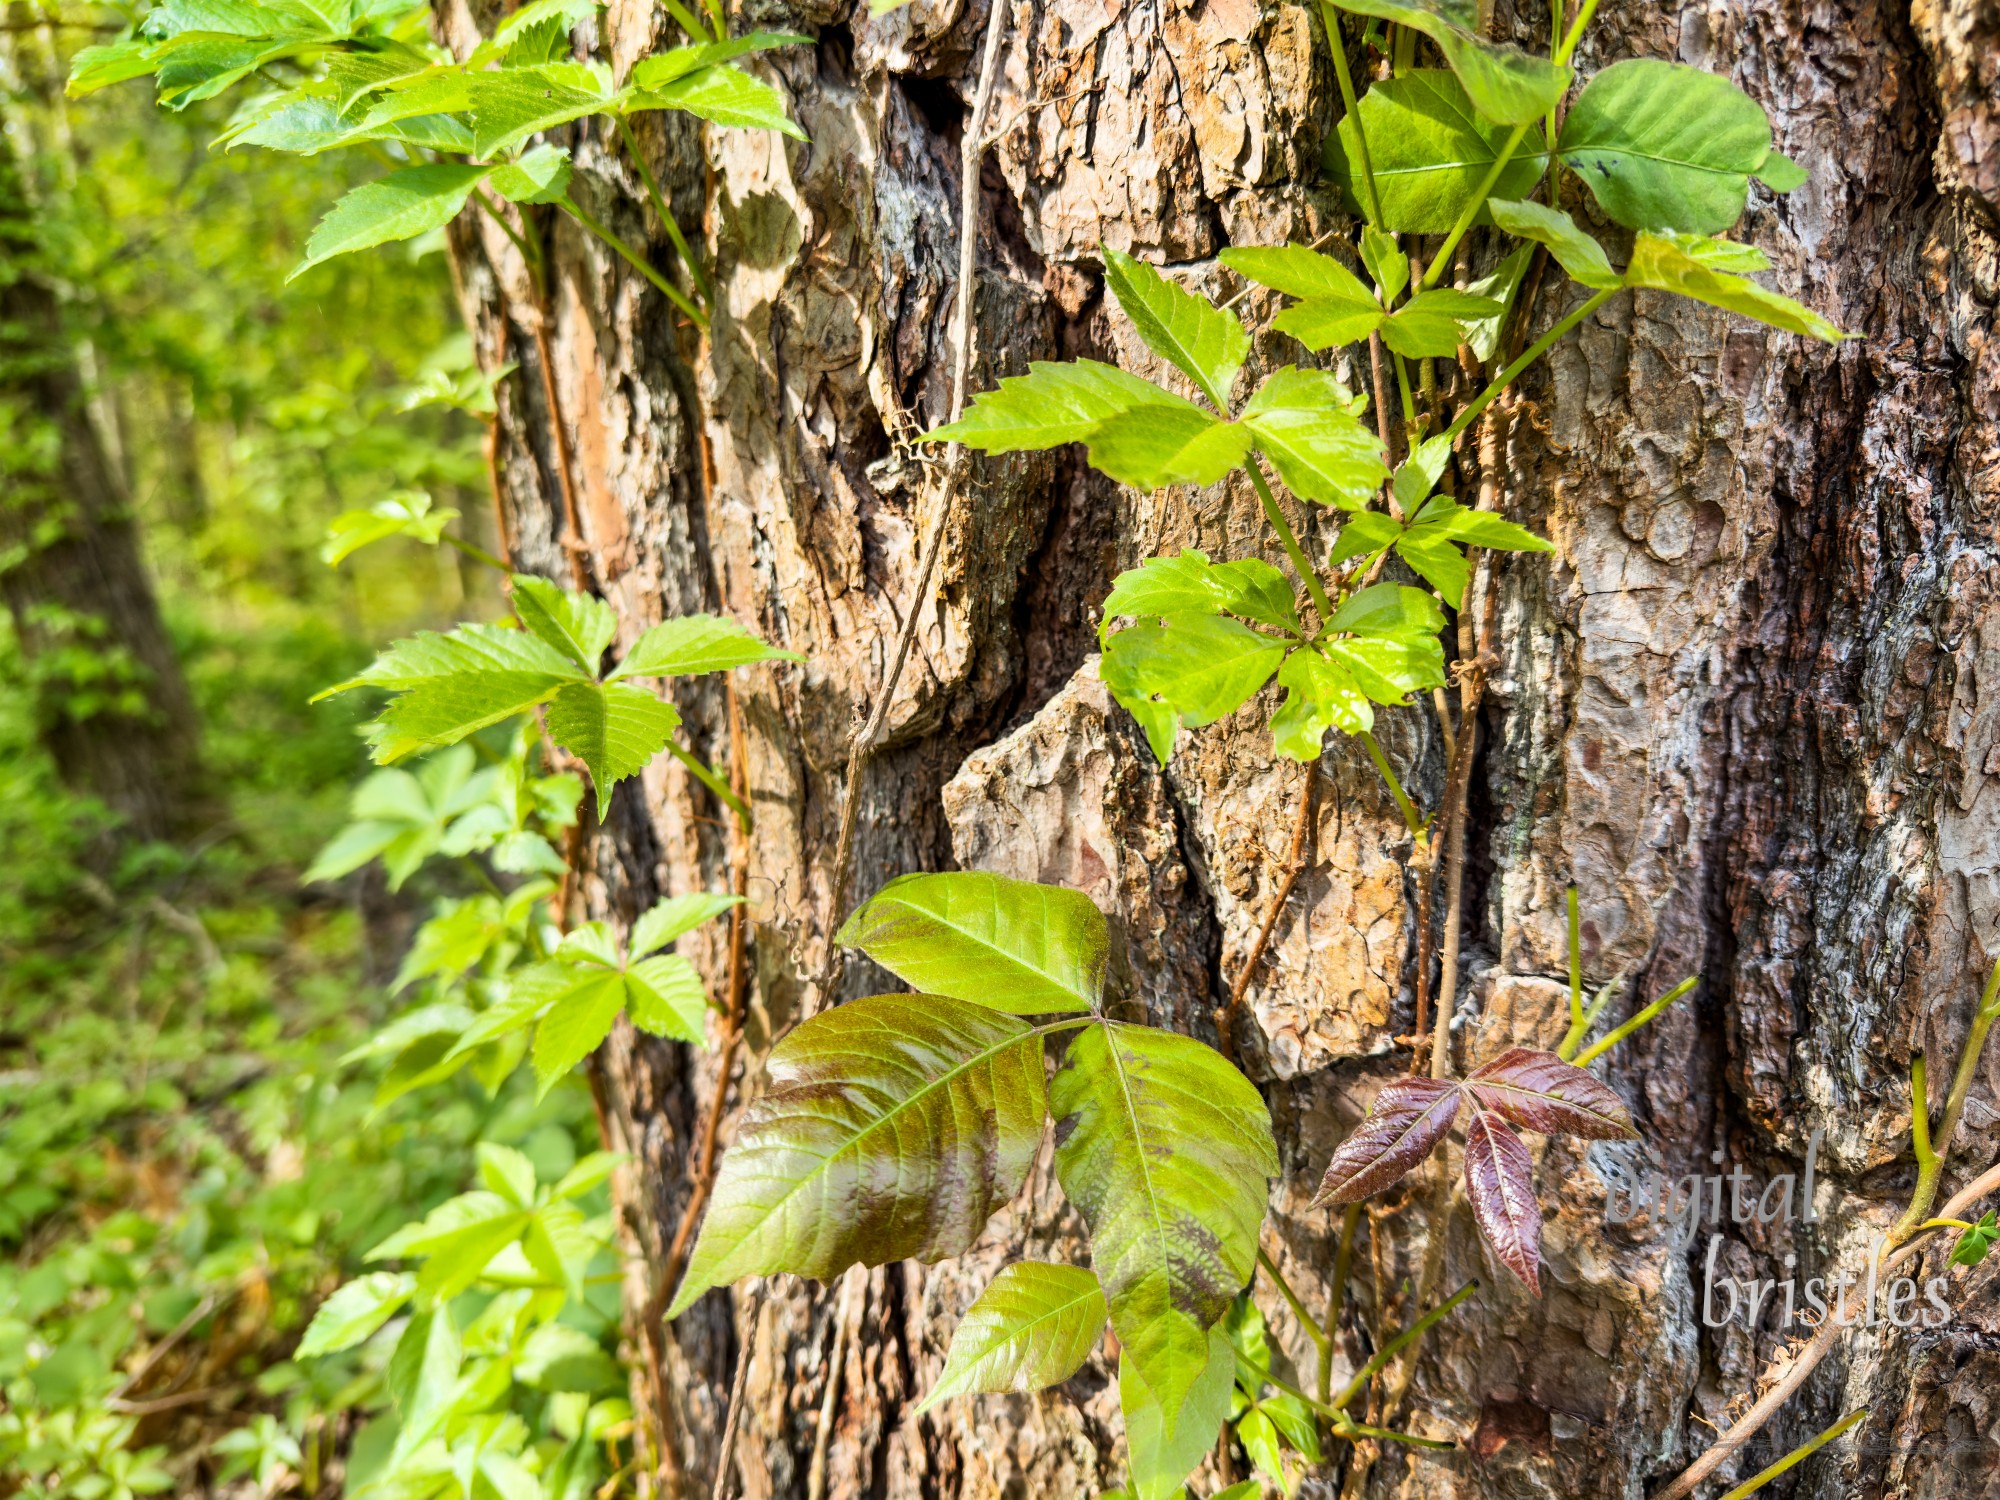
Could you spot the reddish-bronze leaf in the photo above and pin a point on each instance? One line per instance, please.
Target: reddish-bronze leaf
(1411, 1115)
(1500, 1178)
(1539, 1091)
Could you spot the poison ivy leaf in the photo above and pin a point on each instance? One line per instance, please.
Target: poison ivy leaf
(728, 96)
(1388, 609)
(1190, 584)
(1431, 150)
(1508, 85)
(675, 917)
(1500, 1180)
(1152, 446)
(1051, 405)
(1503, 284)
(1431, 325)
(400, 206)
(1033, 1327)
(1973, 1244)
(1677, 263)
(538, 176)
(575, 624)
(1575, 251)
(1009, 944)
(407, 513)
(1200, 666)
(1305, 421)
(893, 1127)
(664, 996)
(1319, 695)
(1167, 1151)
(613, 728)
(1664, 146)
(1539, 1091)
(354, 1312)
(1389, 669)
(579, 1018)
(1167, 1440)
(1404, 1125)
(1203, 342)
(693, 644)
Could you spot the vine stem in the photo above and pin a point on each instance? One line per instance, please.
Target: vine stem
(1336, 44)
(1343, 1425)
(1343, 1259)
(1404, 805)
(862, 748)
(1931, 1159)
(1296, 861)
(1532, 353)
(666, 214)
(1292, 1299)
(1472, 207)
(1796, 1457)
(1399, 1343)
(1604, 1044)
(637, 261)
(1289, 540)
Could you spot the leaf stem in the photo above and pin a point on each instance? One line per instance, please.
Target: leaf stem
(529, 253)
(1306, 1319)
(708, 777)
(1576, 1016)
(1399, 1343)
(1574, 35)
(1343, 1258)
(1344, 1425)
(1403, 803)
(1335, 44)
(1604, 1044)
(1529, 355)
(1471, 210)
(1289, 539)
(666, 214)
(1796, 1457)
(477, 553)
(1931, 1158)
(638, 262)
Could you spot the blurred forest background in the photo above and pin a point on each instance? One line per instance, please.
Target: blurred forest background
(190, 1156)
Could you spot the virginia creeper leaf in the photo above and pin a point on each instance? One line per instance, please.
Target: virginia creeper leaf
(509, 106)
(1033, 1327)
(1404, 1125)
(1500, 1180)
(693, 644)
(400, 206)
(1388, 609)
(1432, 324)
(1305, 421)
(664, 996)
(675, 917)
(1051, 405)
(728, 96)
(354, 1312)
(1389, 668)
(575, 624)
(613, 728)
(1152, 446)
(1575, 251)
(1200, 340)
(538, 176)
(1335, 306)
(422, 1375)
(1502, 284)
(1385, 261)
(407, 514)
(1188, 583)
(1200, 666)
(1539, 1091)
(1677, 263)
(1431, 150)
(1319, 695)
(577, 1021)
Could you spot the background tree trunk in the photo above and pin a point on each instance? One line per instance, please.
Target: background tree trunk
(1749, 705)
(111, 704)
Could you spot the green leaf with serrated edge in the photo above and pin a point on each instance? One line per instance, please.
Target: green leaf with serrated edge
(538, 176)
(1203, 342)
(1328, 324)
(580, 1019)
(94, 68)
(575, 624)
(1166, 1441)
(1159, 723)
(456, 1241)
(558, 1246)
(1369, 531)
(1388, 609)
(1200, 666)
(588, 1172)
(408, 514)
(675, 917)
(507, 1172)
(1304, 422)
(1167, 1150)
(1033, 1327)
(354, 1312)
(509, 106)
(1010, 944)
(400, 206)
(1665, 264)
(1154, 446)
(1385, 261)
(1431, 150)
(1508, 85)
(1051, 405)
(1665, 146)
(1575, 251)
(1417, 475)
(1502, 284)
(677, 62)
(664, 996)
(423, 659)
(1190, 584)
(613, 728)
(1437, 560)
(1781, 174)
(1318, 696)
(422, 1375)
(693, 644)
(1476, 528)
(1431, 325)
(448, 686)
(1721, 255)
(1389, 668)
(892, 1129)
(726, 95)
(1297, 271)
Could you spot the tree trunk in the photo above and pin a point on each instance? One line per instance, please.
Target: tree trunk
(111, 705)
(1748, 706)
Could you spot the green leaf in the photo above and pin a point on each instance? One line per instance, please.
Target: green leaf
(575, 624)
(1200, 666)
(1677, 263)
(675, 917)
(354, 1312)
(1388, 609)
(1203, 342)
(421, 1377)
(1152, 446)
(1190, 584)
(1503, 284)
(580, 1018)
(692, 644)
(1431, 325)
(1781, 174)
(506, 1172)
(1386, 263)
(400, 206)
(1664, 146)
(455, 1241)
(1033, 1327)
(509, 106)
(408, 513)
(1369, 531)
(663, 68)
(1389, 668)
(728, 96)
(1305, 422)
(892, 1129)
(1437, 560)
(1417, 475)
(540, 176)
(613, 728)
(558, 1246)
(1431, 150)
(1509, 86)
(1318, 696)
(1051, 405)
(1120, 671)
(664, 996)
(1477, 528)
(94, 68)
(1974, 1243)
(1575, 251)
(1297, 271)
(1167, 1151)
(1167, 1440)
(1009, 944)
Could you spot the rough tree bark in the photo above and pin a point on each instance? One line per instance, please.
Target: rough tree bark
(1749, 706)
(70, 568)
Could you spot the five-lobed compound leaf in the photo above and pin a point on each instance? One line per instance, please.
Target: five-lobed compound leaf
(1404, 1125)
(693, 644)
(1575, 251)
(1538, 1090)
(1663, 146)
(613, 728)
(1011, 945)
(1167, 1440)
(1695, 268)
(400, 206)
(1307, 423)
(1431, 151)
(1509, 86)
(1188, 583)
(893, 1128)
(1167, 1151)
(1033, 1327)
(1500, 1181)
(512, 104)
(1203, 342)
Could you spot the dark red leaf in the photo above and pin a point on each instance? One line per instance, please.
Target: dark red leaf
(1539, 1091)
(1411, 1115)
(1500, 1177)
